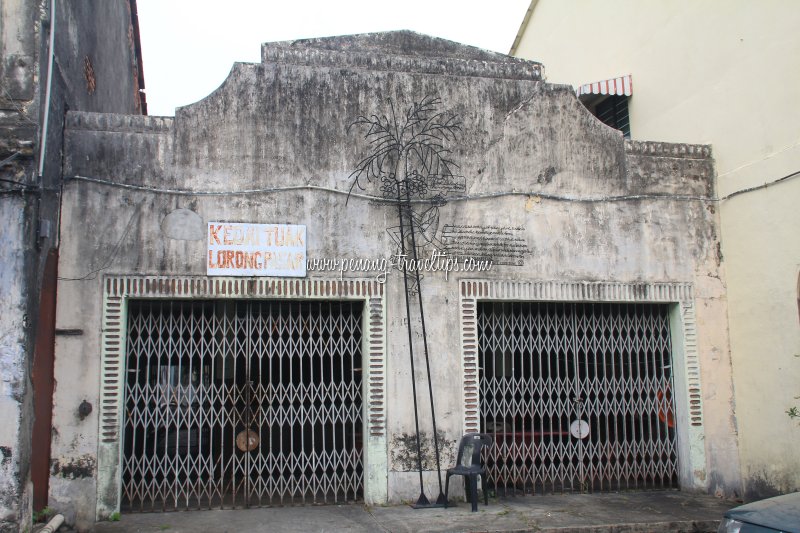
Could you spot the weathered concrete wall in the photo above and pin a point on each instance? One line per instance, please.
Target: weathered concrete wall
(591, 208)
(95, 69)
(15, 393)
(18, 63)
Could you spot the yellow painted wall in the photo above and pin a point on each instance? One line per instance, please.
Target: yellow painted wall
(725, 73)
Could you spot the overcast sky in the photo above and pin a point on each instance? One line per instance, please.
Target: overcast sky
(189, 46)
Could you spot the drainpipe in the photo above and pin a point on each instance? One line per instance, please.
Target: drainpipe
(53, 525)
(46, 118)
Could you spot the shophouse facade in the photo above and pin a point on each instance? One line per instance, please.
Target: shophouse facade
(232, 304)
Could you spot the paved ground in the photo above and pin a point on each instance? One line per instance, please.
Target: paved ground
(652, 512)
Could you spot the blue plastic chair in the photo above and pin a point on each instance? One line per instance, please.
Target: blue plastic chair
(468, 464)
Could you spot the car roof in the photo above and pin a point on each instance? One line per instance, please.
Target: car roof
(780, 512)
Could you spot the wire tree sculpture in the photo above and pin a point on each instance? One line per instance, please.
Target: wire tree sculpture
(408, 151)
(410, 162)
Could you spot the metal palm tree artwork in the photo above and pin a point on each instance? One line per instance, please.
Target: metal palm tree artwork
(410, 162)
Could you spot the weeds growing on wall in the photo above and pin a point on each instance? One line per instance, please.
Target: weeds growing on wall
(43, 515)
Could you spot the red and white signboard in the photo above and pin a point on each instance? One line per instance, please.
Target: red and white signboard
(236, 249)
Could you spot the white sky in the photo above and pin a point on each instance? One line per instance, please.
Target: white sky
(189, 46)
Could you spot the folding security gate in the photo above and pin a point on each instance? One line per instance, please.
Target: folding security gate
(577, 396)
(242, 403)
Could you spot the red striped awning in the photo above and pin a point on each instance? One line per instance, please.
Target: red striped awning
(622, 86)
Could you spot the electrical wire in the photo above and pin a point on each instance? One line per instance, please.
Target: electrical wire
(21, 187)
(22, 113)
(460, 198)
(110, 259)
(762, 186)
(21, 184)
(9, 159)
(240, 192)
(20, 190)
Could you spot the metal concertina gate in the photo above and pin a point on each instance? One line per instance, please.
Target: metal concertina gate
(577, 396)
(242, 403)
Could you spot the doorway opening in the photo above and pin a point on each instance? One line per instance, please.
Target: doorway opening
(577, 396)
(237, 403)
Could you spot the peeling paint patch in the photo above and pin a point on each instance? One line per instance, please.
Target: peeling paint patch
(5, 451)
(404, 451)
(531, 202)
(74, 468)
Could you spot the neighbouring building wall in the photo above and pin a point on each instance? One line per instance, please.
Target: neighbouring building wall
(723, 74)
(274, 144)
(19, 55)
(15, 394)
(95, 68)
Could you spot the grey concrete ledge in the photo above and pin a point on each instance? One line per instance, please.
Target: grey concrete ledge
(663, 149)
(602, 291)
(85, 121)
(444, 66)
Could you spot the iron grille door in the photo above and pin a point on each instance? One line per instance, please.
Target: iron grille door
(238, 403)
(577, 396)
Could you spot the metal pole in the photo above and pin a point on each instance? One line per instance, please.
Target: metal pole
(441, 499)
(422, 500)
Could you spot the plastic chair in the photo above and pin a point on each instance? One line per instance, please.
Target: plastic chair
(468, 464)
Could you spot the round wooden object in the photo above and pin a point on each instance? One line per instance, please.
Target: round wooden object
(247, 440)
